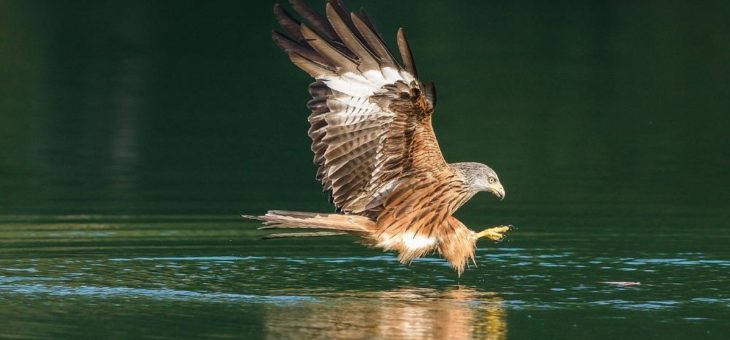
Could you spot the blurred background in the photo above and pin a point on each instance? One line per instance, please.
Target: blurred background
(616, 110)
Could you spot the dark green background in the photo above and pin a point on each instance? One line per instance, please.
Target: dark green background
(606, 121)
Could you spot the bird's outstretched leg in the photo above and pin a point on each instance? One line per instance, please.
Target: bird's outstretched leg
(495, 233)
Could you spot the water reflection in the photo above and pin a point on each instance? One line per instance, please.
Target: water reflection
(460, 313)
(183, 277)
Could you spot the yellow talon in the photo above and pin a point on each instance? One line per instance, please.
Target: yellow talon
(494, 233)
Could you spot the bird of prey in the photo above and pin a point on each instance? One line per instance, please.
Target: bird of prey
(374, 145)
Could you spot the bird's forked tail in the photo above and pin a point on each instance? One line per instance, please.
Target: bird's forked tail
(333, 224)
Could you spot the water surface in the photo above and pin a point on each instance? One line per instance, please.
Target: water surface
(207, 276)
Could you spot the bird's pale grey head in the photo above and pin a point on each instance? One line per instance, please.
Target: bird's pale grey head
(481, 178)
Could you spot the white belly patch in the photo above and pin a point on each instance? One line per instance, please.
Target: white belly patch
(407, 241)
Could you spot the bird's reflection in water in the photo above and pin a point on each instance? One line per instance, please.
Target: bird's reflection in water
(459, 313)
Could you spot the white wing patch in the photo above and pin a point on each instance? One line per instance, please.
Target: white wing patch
(365, 84)
(354, 128)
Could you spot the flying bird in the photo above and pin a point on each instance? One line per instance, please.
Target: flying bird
(374, 144)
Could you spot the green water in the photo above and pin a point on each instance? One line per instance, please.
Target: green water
(133, 134)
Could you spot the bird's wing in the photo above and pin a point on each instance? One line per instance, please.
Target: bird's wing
(371, 117)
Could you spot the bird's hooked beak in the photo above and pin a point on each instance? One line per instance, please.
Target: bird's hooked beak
(498, 190)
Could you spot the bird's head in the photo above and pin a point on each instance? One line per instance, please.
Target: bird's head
(481, 178)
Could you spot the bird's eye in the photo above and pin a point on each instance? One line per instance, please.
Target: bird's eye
(492, 180)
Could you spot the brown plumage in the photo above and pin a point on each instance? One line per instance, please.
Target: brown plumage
(373, 142)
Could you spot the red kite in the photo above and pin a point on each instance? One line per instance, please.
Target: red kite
(374, 145)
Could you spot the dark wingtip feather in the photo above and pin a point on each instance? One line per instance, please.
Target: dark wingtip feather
(405, 52)
(351, 38)
(366, 18)
(342, 58)
(431, 93)
(283, 42)
(287, 22)
(302, 55)
(316, 20)
(286, 44)
(374, 41)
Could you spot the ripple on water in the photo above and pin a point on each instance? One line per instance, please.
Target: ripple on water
(171, 294)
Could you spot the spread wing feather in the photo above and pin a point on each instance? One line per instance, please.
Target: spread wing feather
(370, 121)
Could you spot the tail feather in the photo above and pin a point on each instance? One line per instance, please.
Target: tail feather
(339, 223)
(310, 234)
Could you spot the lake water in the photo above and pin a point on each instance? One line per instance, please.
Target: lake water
(211, 276)
(133, 135)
